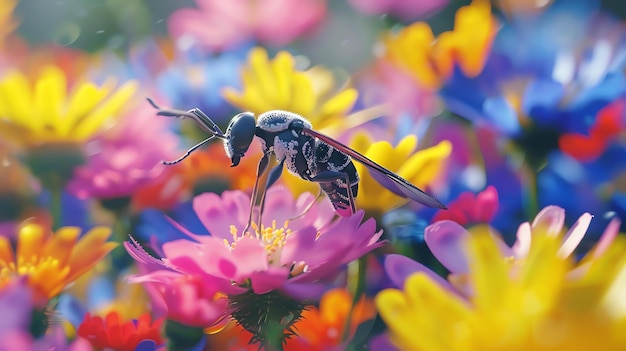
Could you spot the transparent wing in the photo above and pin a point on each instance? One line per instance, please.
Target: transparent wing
(385, 177)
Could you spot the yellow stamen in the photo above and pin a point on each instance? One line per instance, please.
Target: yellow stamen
(273, 237)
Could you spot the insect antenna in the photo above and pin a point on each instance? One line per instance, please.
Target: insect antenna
(192, 149)
(202, 120)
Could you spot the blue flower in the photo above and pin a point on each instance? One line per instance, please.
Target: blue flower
(195, 79)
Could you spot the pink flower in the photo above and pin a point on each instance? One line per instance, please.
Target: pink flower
(400, 94)
(126, 156)
(219, 25)
(470, 209)
(292, 252)
(404, 9)
(446, 240)
(187, 299)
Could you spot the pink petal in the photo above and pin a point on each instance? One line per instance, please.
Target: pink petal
(290, 19)
(298, 246)
(304, 291)
(522, 244)
(446, 240)
(550, 219)
(271, 279)
(140, 255)
(610, 233)
(212, 31)
(575, 235)
(486, 205)
(279, 207)
(249, 256)
(212, 258)
(217, 213)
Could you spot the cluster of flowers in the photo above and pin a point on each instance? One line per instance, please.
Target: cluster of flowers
(514, 113)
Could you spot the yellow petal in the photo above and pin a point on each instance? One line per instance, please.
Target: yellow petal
(86, 97)
(424, 317)
(31, 240)
(339, 105)
(49, 278)
(17, 102)
(474, 29)
(61, 244)
(489, 273)
(110, 108)
(303, 101)
(542, 275)
(49, 99)
(89, 250)
(251, 99)
(426, 165)
(282, 70)
(411, 50)
(259, 67)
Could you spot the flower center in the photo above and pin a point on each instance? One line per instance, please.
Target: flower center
(273, 238)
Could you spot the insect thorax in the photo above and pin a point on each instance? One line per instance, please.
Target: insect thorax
(278, 120)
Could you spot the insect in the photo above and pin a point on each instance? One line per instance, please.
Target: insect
(304, 151)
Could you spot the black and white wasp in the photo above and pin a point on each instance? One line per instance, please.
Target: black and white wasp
(305, 152)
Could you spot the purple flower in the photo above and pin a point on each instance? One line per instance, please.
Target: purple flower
(17, 308)
(126, 156)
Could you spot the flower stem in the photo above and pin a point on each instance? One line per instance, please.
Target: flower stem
(358, 289)
(530, 195)
(55, 188)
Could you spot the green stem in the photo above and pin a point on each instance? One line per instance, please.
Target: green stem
(530, 195)
(56, 202)
(358, 289)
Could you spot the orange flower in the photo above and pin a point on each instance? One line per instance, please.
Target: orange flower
(51, 261)
(323, 328)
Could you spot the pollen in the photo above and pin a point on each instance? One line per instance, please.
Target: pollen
(272, 237)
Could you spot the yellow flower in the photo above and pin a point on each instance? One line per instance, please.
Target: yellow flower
(51, 261)
(48, 111)
(532, 304)
(7, 22)
(420, 168)
(432, 60)
(277, 85)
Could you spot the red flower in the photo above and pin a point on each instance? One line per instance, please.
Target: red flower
(589, 147)
(115, 334)
(471, 209)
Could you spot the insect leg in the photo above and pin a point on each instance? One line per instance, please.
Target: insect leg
(329, 176)
(271, 179)
(309, 206)
(261, 168)
(192, 149)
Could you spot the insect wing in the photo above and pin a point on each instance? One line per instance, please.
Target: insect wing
(385, 177)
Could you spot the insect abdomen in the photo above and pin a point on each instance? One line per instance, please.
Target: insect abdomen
(329, 159)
